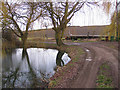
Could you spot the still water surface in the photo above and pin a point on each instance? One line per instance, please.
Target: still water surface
(31, 67)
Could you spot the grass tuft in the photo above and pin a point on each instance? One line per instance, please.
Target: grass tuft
(103, 80)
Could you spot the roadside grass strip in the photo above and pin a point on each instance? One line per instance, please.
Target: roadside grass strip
(104, 80)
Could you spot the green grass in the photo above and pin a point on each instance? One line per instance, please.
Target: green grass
(78, 39)
(112, 46)
(80, 51)
(104, 81)
(104, 66)
(75, 60)
(77, 57)
(53, 83)
(87, 41)
(71, 64)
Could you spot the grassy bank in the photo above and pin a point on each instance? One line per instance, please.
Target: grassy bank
(104, 77)
(67, 72)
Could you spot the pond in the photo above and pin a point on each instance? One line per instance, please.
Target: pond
(31, 67)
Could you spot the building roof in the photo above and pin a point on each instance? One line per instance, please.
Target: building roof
(71, 30)
(91, 30)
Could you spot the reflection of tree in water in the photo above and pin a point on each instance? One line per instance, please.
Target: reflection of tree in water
(59, 60)
(32, 73)
(10, 76)
(33, 77)
(13, 77)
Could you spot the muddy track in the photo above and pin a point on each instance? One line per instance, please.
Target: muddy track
(96, 54)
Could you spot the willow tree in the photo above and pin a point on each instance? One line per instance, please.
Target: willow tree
(60, 14)
(20, 17)
(111, 29)
(114, 28)
(118, 19)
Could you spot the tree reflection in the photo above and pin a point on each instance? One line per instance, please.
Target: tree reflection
(35, 81)
(13, 76)
(32, 73)
(10, 76)
(59, 60)
(26, 70)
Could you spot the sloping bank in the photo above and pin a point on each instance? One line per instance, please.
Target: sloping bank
(64, 74)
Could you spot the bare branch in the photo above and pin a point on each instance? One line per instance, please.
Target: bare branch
(14, 31)
(72, 9)
(37, 17)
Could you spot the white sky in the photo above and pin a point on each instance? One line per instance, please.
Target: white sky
(94, 16)
(91, 16)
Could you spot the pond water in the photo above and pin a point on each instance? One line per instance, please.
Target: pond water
(31, 67)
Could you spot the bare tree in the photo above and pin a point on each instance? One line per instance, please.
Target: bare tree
(60, 14)
(20, 17)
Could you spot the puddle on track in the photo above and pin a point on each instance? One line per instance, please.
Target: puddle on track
(88, 58)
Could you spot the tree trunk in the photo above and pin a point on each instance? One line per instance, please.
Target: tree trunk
(24, 39)
(58, 37)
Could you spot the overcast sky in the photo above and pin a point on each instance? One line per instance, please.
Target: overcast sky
(87, 16)
(92, 16)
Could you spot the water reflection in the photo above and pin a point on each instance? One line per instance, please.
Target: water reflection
(59, 60)
(31, 67)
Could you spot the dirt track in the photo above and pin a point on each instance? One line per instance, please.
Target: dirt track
(96, 54)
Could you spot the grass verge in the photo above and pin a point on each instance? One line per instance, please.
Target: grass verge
(63, 74)
(104, 78)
